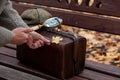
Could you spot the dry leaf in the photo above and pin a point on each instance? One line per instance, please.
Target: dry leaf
(56, 39)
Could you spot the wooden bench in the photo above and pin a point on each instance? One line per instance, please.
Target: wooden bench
(73, 15)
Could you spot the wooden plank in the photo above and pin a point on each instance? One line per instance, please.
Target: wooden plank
(92, 69)
(76, 19)
(15, 64)
(12, 74)
(112, 70)
(9, 57)
(106, 7)
(77, 78)
(97, 68)
(94, 75)
(107, 69)
(8, 51)
(11, 46)
(87, 74)
(13, 56)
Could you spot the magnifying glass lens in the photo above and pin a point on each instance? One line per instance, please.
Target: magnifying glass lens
(52, 22)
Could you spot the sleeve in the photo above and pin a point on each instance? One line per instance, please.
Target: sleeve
(5, 36)
(10, 17)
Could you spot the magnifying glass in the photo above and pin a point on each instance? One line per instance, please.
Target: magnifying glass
(50, 23)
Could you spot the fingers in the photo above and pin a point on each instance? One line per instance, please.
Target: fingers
(30, 43)
(34, 44)
(25, 38)
(30, 40)
(45, 40)
(40, 43)
(27, 30)
(36, 40)
(20, 36)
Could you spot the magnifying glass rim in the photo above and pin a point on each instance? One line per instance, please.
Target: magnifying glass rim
(55, 18)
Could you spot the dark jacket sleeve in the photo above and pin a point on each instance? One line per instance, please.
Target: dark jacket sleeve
(10, 19)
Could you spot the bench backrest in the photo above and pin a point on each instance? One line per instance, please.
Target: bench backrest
(99, 15)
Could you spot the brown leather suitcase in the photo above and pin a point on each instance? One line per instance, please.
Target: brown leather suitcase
(62, 60)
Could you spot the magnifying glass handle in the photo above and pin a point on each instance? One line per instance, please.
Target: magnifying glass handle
(36, 27)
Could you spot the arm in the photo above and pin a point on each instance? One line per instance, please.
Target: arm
(10, 17)
(16, 36)
(5, 36)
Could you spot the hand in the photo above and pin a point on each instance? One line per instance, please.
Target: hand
(37, 40)
(20, 35)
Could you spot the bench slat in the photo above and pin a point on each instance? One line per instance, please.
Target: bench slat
(7, 51)
(15, 64)
(94, 75)
(92, 68)
(107, 69)
(76, 19)
(12, 74)
(77, 78)
(8, 58)
(109, 7)
(11, 46)
(87, 74)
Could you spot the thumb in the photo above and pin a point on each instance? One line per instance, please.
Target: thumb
(27, 30)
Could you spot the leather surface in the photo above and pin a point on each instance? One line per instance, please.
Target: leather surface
(54, 59)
